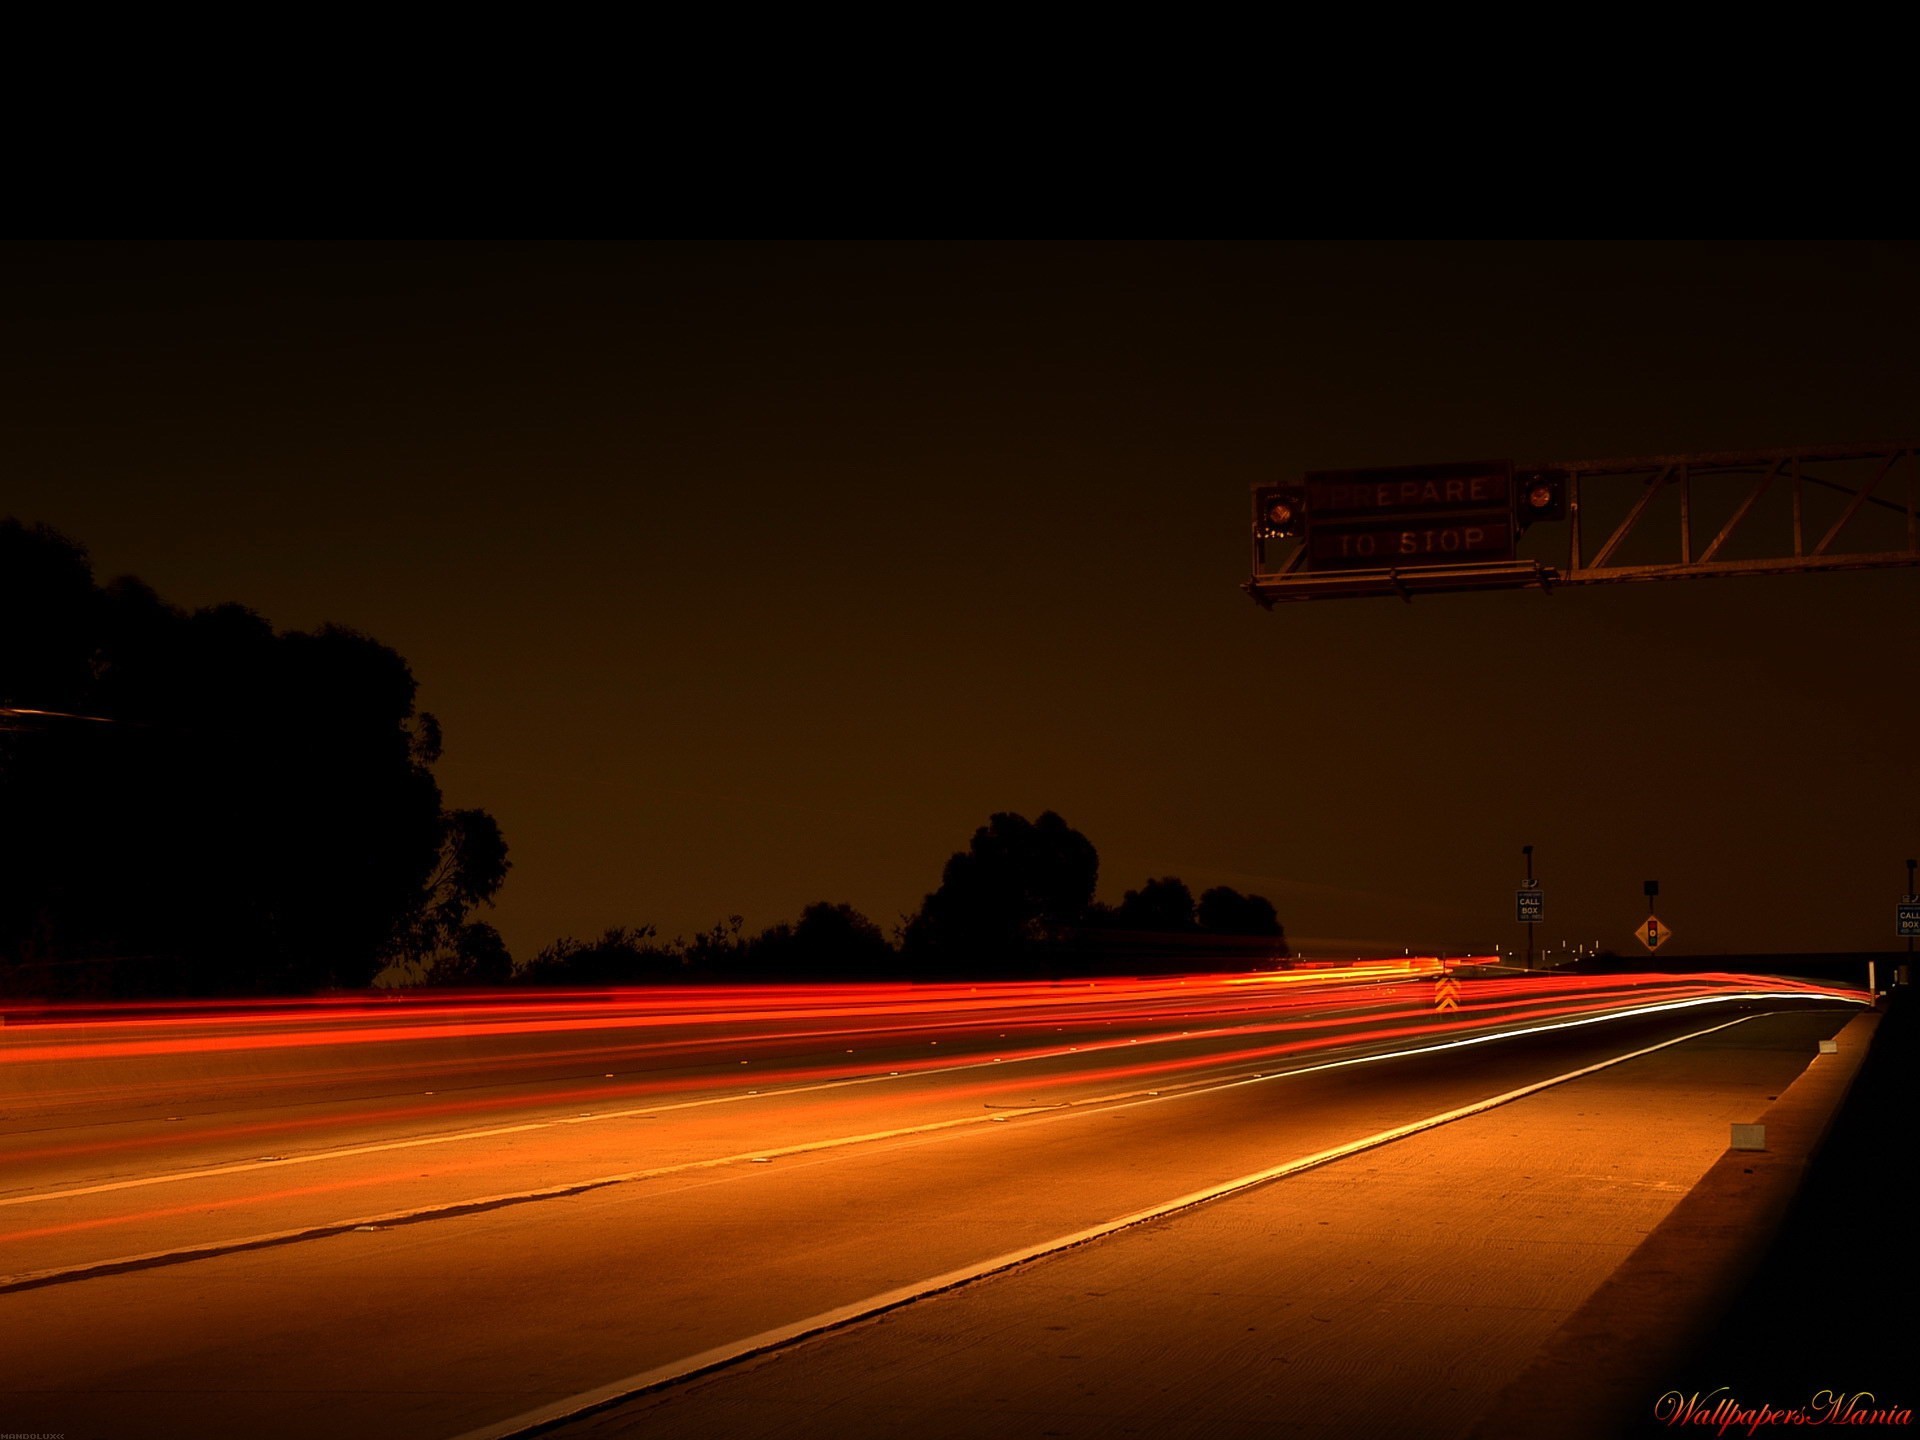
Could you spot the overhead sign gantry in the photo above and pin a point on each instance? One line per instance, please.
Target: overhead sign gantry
(1496, 525)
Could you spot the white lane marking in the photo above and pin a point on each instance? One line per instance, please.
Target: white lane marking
(606, 1396)
(382, 1147)
(241, 1167)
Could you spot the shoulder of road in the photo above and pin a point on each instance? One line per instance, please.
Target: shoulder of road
(1750, 1290)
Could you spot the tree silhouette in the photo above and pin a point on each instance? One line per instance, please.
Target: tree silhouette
(49, 607)
(1165, 906)
(1005, 901)
(475, 956)
(471, 867)
(214, 806)
(621, 956)
(830, 942)
(1225, 911)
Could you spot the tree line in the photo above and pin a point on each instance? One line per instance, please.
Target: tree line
(192, 802)
(1016, 903)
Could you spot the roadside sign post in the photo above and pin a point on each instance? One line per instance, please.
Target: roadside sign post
(1653, 932)
(1528, 902)
(1907, 917)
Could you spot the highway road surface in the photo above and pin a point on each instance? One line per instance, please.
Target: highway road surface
(443, 1216)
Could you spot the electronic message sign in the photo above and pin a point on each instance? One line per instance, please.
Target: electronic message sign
(1409, 516)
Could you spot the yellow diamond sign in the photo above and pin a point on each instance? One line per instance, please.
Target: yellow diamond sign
(1653, 932)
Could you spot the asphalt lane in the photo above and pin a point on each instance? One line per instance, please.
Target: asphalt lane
(441, 1327)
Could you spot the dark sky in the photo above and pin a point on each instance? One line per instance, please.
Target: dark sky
(743, 576)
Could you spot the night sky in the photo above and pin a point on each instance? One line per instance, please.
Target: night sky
(743, 576)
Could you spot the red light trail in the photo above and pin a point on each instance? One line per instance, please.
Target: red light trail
(677, 1043)
(155, 1130)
